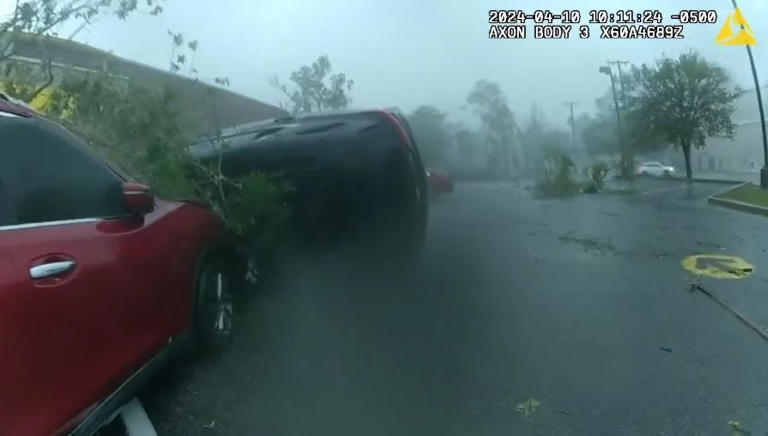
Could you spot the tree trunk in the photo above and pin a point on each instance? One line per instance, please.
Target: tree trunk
(687, 155)
(505, 151)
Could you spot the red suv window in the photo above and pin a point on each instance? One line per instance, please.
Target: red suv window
(45, 175)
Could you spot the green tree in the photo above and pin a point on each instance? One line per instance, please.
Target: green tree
(147, 132)
(42, 17)
(316, 89)
(599, 135)
(27, 80)
(431, 132)
(467, 144)
(37, 20)
(490, 104)
(554, 140)
(556, 176)
(538, 140)
(530, 138)
(184, 52)
(684, 101)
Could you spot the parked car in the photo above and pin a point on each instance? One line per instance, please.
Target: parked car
(100, 282)
(356, 175)
(655, 169)
(439, 182)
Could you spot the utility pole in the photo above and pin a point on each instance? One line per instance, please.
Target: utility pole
(573, 124)
(622, 148)
(764, 169)
(619, 63)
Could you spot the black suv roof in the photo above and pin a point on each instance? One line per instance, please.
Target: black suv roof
(272, 132)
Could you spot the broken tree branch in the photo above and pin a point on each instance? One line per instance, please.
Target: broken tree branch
(752, 326)
(48, 81)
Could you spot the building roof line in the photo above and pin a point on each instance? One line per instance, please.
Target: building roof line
(94, 52)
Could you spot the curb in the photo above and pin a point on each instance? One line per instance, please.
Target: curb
(738, 205)
(694, 180)
(722, 181)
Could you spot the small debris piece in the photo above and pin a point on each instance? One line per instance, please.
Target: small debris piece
(587, 243)
(210, 425)
(528, 407)
(737, 429)
(693, 283)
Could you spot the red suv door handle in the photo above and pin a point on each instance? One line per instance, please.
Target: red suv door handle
(51, 269)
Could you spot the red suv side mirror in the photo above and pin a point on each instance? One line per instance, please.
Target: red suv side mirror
(137, 198)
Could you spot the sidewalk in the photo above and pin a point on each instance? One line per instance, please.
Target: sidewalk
(730, 178)
(753, 177)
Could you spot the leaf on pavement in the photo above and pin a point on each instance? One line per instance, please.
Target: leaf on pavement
(528, 407)
(210, 425)
(737, 429)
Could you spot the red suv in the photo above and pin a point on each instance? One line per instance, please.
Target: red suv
(99, 281)
(439, 182)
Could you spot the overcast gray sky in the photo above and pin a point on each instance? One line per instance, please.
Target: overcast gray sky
(407, 53)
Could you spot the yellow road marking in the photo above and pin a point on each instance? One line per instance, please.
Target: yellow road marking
(718, 266)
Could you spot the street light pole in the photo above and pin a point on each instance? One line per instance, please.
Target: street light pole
(764, 169)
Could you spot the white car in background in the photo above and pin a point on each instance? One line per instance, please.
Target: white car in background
(655, 169)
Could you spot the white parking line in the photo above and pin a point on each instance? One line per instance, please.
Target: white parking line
(136, 421)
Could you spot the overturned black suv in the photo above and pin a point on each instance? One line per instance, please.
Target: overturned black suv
(355, 176)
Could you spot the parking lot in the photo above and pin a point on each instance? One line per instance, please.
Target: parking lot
(579, 303)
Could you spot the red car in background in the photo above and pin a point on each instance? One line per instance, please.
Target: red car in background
(99, 281)
(439, 182)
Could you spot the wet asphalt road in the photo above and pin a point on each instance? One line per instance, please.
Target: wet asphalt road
(579, 303)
